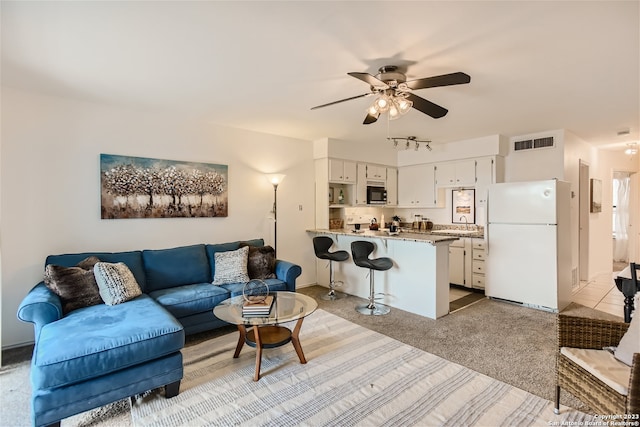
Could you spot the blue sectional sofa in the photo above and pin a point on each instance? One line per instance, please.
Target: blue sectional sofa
(99, 354)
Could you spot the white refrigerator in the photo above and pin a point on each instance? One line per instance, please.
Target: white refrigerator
(528, 241)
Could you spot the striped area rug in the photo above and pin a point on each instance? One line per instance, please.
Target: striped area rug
(354, 377)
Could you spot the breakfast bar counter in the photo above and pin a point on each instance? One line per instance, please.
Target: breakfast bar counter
(418, 282)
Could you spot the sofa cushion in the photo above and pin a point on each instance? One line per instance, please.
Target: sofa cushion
(235, 289)
(115, 282)
(76, 286)
(602, 365)
(133, 259)
(212, 249)
(97, 340)
(188, 300)
(261, 263)
(231, 266)
(179, 266)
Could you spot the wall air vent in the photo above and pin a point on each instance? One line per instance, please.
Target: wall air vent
(543, 142)
(532, 144)
(523, 145)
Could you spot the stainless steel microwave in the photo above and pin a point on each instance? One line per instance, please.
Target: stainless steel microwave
(376, 195)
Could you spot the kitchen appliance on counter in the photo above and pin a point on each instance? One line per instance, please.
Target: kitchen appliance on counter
(376, 194)
(528, 244)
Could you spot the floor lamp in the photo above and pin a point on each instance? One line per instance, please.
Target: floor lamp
(275, 179)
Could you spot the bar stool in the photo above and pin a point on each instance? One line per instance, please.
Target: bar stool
(321, 246)
(360, 250)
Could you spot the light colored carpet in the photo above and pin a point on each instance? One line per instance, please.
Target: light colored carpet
(354, 376)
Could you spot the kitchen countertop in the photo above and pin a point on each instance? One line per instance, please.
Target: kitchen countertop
(420, 236)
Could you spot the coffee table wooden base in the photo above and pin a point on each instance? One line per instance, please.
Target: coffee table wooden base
(270, 336)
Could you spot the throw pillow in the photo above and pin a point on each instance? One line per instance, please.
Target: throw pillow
(116, 282)
(630, 342)
(231, 267)
(76, 286)
(261, 263)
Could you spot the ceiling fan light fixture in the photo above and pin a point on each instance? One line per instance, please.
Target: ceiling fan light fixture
(404, 105)
(382, 104)
(394, 111)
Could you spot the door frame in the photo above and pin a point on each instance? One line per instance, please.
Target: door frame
(583, 220)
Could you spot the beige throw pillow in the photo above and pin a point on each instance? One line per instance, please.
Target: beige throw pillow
(231, 267)
(116, 282)
(630, 342)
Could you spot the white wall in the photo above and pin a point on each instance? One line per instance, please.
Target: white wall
(383, 154)
(50, 194)
(492, 145)
(575, 151)
(537, 164)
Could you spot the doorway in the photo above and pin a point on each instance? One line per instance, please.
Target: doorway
(583, 221)
(621, 219)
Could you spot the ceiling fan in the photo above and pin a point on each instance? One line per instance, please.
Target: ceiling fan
(394, 93)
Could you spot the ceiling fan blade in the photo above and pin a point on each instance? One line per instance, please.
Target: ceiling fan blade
(427, 107)
(443, 80)
(342, 100)
(371, 118)
(368, 78)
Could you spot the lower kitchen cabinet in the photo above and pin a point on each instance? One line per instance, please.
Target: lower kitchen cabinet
(478, 265)
(460, 265)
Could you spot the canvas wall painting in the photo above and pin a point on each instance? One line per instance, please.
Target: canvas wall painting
(138, 187)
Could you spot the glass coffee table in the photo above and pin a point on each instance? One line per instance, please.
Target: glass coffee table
(266, 332)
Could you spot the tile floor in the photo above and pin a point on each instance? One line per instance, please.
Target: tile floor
(601, 294)
(456, 293)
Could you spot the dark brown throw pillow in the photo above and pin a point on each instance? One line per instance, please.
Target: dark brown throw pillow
(261, 263)
(76, 286)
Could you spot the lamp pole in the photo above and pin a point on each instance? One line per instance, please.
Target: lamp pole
(275, 180)
(275, 220)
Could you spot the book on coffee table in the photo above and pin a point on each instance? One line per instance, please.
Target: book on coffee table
(261, 308)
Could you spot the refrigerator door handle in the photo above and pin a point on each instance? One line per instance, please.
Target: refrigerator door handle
(486, 228)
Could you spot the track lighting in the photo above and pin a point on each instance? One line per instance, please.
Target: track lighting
(408, 141)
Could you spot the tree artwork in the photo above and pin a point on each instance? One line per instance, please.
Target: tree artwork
(136, 187)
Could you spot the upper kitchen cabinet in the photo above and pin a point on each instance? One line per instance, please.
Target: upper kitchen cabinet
(376, 173)
(361, 185)
(392, 187)
(456, 174)
(342, 171)
(489, 170)
(417, 187)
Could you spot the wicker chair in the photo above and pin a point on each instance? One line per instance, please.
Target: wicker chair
(579, 332)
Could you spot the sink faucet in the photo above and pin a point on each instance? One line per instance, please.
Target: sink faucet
(466, 222)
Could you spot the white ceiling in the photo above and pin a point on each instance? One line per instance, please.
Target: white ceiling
(534, 66)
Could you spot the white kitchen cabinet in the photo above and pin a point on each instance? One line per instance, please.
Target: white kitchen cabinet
(376, 173)
(477, 263)
(456, 174)
(486, 174)
(460, 262)
(361, 185)
(342, 171)
(417, 187)
(392, 186)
